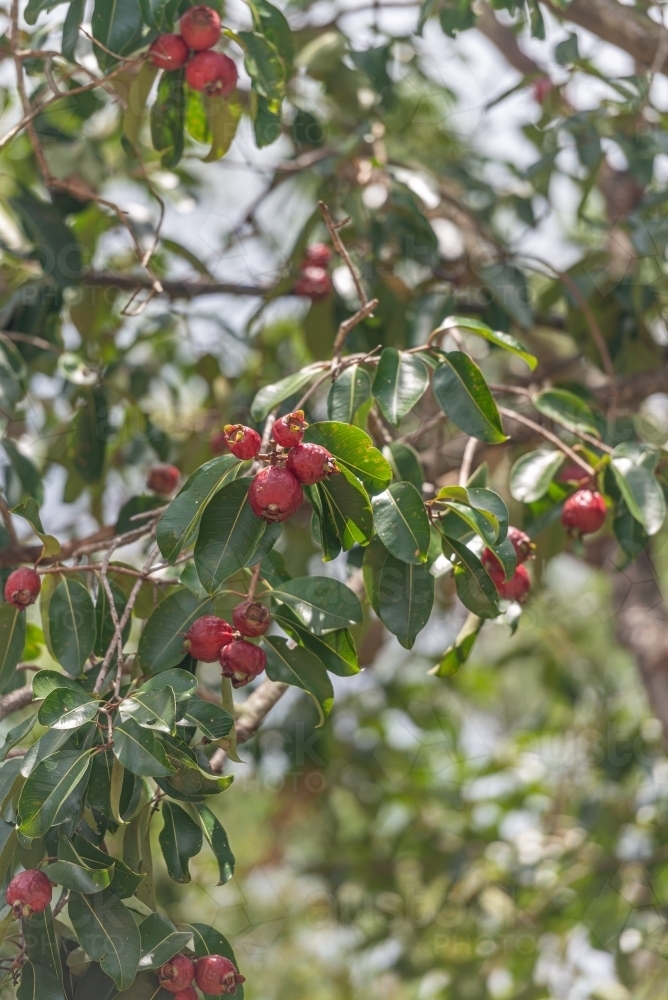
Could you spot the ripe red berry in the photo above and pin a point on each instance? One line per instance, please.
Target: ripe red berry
(275, 494)
(22, 587)
(584, 512)
(571, 472)
(251, 618)
(176, 974)
(200, 27)
(242, 441)
(206, 637)
(310, 463)
(169, 52)
(216, 975)
(241, 662)
(289, 430)
(318, 254)
(524, 547)
(515, 589)
(213, 72)
(29, 892)
(190, 993)
(314, 283)
(163, 479)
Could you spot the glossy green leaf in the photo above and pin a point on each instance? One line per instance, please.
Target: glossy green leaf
(96, 985)
(30, 512)
(160, 941)
(508, 285)
(179, 524)
(265, 67)
(90, 439)
(41, 942)
(353, 448)
(299, 667)
(346, 504)
(401, 522)
(140, 750)
(161, 643)
(218, 842)
(229, 532)
(124, 882)
(168, 118)
(335, 649)
(15, 735)
(38, 983)
(211, 719)
(71, 871)
(491, 506)
(641, 492)
(46, 745)
(182, 683)
(463, 394)
(401, 594)
(46, 681)
(71, 28)
(458, 653)
(503, 340)
(346, 395)
(473, 519)
(152, 709)
(567, 409)
(65, 709)
(50, 789)
(271, 22)
(271, 395)
(71, 624)
(180, 839)
(223, 117)
(12, 641)
(106, 930)
(531, 475)
(400, 382)
(475, 588)
(320, 602)
(405, 463)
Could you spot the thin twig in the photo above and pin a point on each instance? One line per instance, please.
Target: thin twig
(467, 461)
(549, 436)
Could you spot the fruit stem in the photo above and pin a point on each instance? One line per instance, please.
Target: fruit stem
(252, 586)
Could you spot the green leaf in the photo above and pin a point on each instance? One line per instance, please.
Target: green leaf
(36, 7)
(152, 709)
(300, 668)
(182, 683)
(161, 643)
(180, 840)
(124, 882)
(208, 941)
(347, 393)
(38, 983)
(474, 520)
(118, 26)
(211, 719)
(138, 95)
(90, 435)
(271, 22)
(531, 475)
(320, 602)
(228, 533)
(140, 750)
(10, 779)
(104, 625)
(54, 248)
(323, 525)
(509, 287)
(49, 790)
(405, 463)
(71, 33)
(15, 735)
(141, 504)
(402, 523)
(160, 941)
(30, 512)
(65, 709)
(503, 340)
(218, 842)
(46, 745)
(168, 118)
(71, 871)
(156, 13)
(26, 472)
(401, 594)
(335, 649)
(95, 985)
(179, 524)
(400, 382)
(463, 394)
(46, 681)
(267, 120)
(475, 588)
(12, 641)
(42, 943)
(271, 395)
(223, 116)
(639, 488)
(491, 506)
(567, 409)
(265, 67)
(354, 449)
(71, 624)
(346, 503)
(458, 653)
(106, 931)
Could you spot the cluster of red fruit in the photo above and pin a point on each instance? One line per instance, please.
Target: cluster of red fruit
(30, 892)
(314, 282)
(276, 492)
(211, 638)
(209, 71)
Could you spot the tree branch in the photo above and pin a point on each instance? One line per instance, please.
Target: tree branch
(15, 700)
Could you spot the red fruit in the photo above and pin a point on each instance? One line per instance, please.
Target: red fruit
(515, 589)
(524, 547)
(206, 637)
(275, 494)
(571, 472)
(22, 587)
(241, 662)
(310, 463)
(200, 27)
(289, 430)
(29, 892)
(169, 52)
(190, 993)
(584, 512)
(251, 618)
(163, 479)
(215, 975)
(213, 72)
(176, 974)
(318, 255)
(314, 283)
(242, 441)
(218, 443)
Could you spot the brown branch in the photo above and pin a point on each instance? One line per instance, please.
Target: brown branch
(15, 700)
(251, 715)
(182, 289)
(549, 436)
(505, 41)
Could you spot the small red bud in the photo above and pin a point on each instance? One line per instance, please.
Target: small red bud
(251, 618)
(289, 430)
(243, 442)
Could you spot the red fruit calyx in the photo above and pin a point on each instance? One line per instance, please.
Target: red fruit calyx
(314, 283)
(251, 618)
(169, 52)
(176, 974)
(29, 892)
(515, 589)
(212, 72)
(189, 993)
(289, 430)
(163, 479)
(275, 494)
(241, 662)
(216, 975)
(310, 463)
(242, 441)
(318, 255)
(584, 512)
(22, 587)
(206, 637)
(200, 27)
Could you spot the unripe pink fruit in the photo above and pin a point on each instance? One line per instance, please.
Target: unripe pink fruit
(169, 52)
(206, 637)
(200, 27)
(241, 662)
(318, 255)
(310, 463)
(216, 975)
(242, 441)
(22, 587)
(584, 512)
(314, 283)
(163, 479)
(177, 974)
(251, 618)
(29, 892)
(212, 72)
(515, 589)
(289, 430)
(275, 494)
